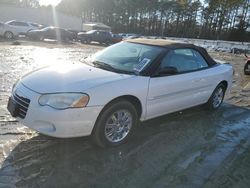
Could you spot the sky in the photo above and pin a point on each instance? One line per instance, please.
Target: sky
(49, 2)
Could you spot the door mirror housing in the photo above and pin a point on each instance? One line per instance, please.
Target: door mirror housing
(167, 71)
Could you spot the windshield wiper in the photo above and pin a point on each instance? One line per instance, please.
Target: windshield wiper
(98, 64)
(103, 65)
(106, 66)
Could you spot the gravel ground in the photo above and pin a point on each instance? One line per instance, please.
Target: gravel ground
(192, 148)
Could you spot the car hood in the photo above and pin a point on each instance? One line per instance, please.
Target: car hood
(69, 78)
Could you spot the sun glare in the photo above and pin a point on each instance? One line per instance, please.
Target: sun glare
(49, 2)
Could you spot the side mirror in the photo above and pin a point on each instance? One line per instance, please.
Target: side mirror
(167, 71)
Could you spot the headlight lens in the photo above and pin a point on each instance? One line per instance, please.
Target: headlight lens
(64, 100)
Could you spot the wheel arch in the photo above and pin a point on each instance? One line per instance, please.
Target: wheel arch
(225, 83)
(8, 31)
(132, 99)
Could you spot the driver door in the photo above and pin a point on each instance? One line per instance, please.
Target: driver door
(189, 87)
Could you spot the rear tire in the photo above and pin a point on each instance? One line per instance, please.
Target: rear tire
(116, 123)
(246, 69)
(8, 35)
(217, 97)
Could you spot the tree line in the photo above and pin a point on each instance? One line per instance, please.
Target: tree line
(208, 19)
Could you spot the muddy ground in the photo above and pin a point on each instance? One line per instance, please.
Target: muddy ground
(192, 148)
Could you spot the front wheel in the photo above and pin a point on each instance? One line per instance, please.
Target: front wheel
(8, 35)
(217, 97)
(115, 124)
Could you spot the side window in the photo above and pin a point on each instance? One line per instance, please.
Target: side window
(51, 30)
(23, 24)
(102, 34)
(199, 59)
(34, 25)
(184, 60)
(13, 23)
(186, 52)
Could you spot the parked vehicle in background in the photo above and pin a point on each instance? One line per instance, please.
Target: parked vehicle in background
(110, 92)
(132, 37)
(7, 32)
(116, 38)
(22, 27)
(75, 33)
(247, 65)
(129, 35)
(51, 33)
(103, 37)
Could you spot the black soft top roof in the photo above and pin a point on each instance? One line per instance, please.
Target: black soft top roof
(170, 44)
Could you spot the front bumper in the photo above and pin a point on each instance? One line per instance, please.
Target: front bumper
(57, 123)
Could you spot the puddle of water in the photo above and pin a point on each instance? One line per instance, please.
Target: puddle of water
(190, 160)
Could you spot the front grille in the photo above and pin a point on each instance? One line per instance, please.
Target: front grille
(23, 105)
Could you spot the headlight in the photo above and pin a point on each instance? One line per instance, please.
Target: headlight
(64, 100)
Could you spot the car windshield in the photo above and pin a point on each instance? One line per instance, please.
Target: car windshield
(35, 25)
(126, 57)
(47, 28)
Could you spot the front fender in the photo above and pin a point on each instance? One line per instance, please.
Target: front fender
(136, 86)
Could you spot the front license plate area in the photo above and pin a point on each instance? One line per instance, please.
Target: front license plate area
(13, 107)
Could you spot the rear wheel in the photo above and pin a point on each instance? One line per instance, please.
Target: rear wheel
(247, 68)
(8, 35)
(115, 124)
(217, 97)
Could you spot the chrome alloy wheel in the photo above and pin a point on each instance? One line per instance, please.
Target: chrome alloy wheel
(218, 97)
(118, 125)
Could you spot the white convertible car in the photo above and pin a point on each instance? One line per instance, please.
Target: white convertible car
(110, 92)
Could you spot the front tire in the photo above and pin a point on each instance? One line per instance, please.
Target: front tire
(8, 35)
(115, 124)
(217, 97)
